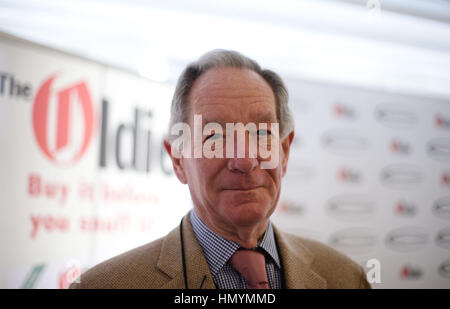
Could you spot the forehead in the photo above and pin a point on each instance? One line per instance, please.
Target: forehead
(232, 94)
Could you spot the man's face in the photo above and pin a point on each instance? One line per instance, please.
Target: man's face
(232, 192)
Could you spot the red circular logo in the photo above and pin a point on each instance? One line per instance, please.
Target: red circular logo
(63, 121)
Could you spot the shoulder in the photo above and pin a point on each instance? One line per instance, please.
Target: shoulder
(133, 269)
(336, 268)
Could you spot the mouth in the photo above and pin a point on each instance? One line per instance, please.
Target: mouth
(242, 188)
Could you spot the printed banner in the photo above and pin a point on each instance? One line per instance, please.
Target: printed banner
(84, 175)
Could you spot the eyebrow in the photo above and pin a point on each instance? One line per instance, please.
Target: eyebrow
(266, 117)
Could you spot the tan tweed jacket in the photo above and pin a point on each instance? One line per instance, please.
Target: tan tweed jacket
(157, 265)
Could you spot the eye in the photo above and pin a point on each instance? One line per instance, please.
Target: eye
(213, 136)
(263, 132)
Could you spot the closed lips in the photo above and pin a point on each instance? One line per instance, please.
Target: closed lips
(243, 188)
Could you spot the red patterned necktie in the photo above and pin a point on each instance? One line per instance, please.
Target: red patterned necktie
(251, 264)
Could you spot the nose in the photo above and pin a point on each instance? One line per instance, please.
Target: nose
(246, 163)
(242, 165)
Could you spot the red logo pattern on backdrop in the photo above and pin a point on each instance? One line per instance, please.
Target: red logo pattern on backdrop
(63, 125)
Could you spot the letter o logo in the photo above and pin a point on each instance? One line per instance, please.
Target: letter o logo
(63, 140)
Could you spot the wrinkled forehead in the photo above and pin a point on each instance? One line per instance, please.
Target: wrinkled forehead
(227, 117)
(232, 95)
(220, 80)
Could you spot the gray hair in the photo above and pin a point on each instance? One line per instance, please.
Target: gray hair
(220, 58)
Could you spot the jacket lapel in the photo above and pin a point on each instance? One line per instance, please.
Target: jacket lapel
(169, 262)
(295, 262)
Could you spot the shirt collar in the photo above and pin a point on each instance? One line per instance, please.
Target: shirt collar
(219, 250)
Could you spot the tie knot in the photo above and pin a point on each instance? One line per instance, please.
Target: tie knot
(251, 264)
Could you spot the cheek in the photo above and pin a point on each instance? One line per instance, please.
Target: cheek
(275, 187)
(276, 174)
(204, 172)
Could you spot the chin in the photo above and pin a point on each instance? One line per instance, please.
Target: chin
(248, 213)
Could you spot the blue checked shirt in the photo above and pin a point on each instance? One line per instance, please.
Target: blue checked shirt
(219, 250)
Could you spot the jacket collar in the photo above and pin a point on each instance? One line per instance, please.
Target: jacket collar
(169, 262)
(295, 261)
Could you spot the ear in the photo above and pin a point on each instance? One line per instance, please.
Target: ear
(285, 147)
(177, 162)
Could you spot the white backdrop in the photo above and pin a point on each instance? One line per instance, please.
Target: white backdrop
(369, 172)
(370, 176)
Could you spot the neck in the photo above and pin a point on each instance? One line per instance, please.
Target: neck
(246, 236)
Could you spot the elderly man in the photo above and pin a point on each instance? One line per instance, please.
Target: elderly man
(227, 240)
